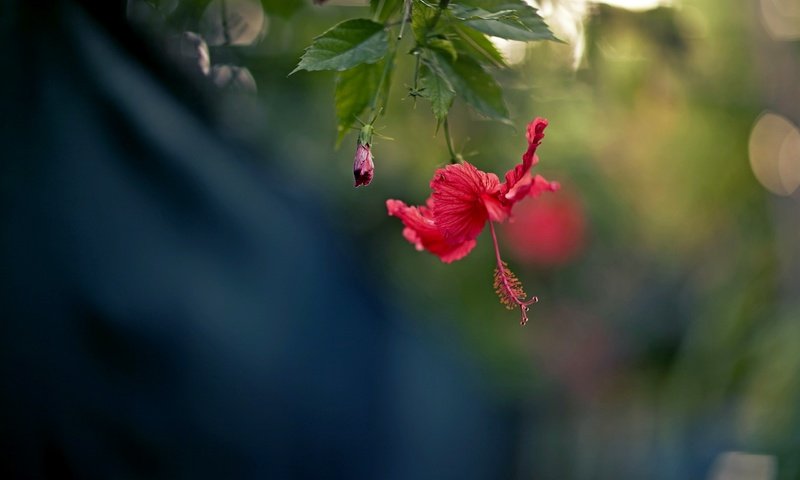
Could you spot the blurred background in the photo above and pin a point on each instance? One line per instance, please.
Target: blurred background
(666, 343)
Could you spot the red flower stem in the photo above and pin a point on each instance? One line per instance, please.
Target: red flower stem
(453, 156)
(523, 305)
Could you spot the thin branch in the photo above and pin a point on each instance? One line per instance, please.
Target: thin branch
(406, 16)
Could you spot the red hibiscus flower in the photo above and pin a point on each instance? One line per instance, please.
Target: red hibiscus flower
(463, 200)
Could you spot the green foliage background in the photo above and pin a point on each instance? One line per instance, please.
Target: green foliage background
(674, 335)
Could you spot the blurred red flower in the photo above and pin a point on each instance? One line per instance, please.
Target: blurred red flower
(550, 232)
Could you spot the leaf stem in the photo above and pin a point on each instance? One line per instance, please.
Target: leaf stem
(415, 87)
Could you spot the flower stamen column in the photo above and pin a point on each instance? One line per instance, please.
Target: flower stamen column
(508, 286)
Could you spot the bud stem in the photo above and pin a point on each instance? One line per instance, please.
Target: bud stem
(375, 111)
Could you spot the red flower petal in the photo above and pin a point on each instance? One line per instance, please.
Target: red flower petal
(460, 194)
(518, 180)
(422, 232)
(519, 188)
(496, 209)
(540, 185)
(535, 134)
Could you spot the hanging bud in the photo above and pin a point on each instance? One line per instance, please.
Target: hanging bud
(363, 168)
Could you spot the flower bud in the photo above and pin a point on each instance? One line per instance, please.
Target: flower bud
(363, 168)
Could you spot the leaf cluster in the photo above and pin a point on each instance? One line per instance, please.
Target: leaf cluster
(452, 50)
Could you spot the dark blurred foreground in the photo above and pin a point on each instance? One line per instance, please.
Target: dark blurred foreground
(172, 309)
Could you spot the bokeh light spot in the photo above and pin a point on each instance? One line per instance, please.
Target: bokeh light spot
(637, 5)
(781, 18)
(233, 22)
(775, 153)
(743, 466)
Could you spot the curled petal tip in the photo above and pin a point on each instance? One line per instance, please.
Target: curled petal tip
(541, 185)
(536, 129)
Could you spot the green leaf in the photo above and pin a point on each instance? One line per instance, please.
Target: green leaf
(475, 44)
(462, 12)
(384, 9)
(346, 45)
(444, 46)
(438, 91)
(422, 17)
(472, 83)
(505, 19)
(355, 89)
(282, 8)
(492, 5)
